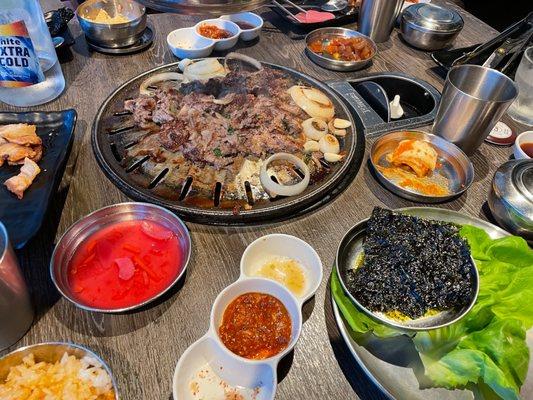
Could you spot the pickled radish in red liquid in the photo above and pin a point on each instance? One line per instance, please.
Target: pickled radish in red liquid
(124, 264)
(156, 231)
(312, 16)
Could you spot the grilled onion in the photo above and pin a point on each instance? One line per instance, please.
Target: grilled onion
(340, 123)
(247, 59)
(163, 77)
(311, 146)
(284, 190)
(331, 157)
(314, 128)
(313, 102)
(335, 131)
(203, 70)
(329, 144)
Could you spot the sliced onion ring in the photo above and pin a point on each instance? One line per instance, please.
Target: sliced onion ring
(314, 128)
(247, 59)
(284, 190)
(163, 77)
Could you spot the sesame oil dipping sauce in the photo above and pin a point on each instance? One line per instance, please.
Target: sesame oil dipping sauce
(286, 271)
(124, 263)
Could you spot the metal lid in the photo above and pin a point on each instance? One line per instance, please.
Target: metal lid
(513, 182)
(433, 18)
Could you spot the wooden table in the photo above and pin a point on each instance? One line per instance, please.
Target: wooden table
(142, 348)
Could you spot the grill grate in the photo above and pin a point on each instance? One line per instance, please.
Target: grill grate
(114, 133)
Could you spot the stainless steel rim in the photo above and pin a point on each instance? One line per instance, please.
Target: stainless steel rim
(147, 301)
(4, 241)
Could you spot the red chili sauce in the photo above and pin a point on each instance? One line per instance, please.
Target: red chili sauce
(256, 326)
(213, 32)
(124, 264)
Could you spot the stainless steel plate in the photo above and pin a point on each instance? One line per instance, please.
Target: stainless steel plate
(453, 166)
(390, 363)
(337, 65)
(350, 248)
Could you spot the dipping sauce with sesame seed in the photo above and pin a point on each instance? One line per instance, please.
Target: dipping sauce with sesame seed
(124, 264)
(256, 326)
(206, 384)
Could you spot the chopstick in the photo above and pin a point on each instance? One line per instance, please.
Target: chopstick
(295, 6)
(285, 9)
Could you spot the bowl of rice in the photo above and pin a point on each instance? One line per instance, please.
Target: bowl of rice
(55, 370)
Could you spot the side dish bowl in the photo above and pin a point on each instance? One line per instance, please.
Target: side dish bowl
(452, 164)
(231, 27)
(330, 63)
(51, 352)
(116, 34)
(84, 228)
(348, 252)
(186, 43)
(254, 20)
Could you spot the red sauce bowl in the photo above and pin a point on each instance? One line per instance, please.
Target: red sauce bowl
(112, 274)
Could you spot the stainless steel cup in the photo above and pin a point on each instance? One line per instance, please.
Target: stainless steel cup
(377, 18)
(473, 101)
(16, 312)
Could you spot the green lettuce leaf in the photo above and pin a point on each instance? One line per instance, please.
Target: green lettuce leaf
(487, 347)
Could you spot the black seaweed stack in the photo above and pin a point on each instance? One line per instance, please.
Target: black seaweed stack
(412, 265)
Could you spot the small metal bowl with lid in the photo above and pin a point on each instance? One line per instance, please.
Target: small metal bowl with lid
(511, 197)
(430, 27)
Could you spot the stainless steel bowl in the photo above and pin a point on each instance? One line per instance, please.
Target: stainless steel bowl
(112, 35)
(351, 246)
(88, 225)
(51, 352)
(430, 27)
(511, 197)
(330, 63)
(453, 164)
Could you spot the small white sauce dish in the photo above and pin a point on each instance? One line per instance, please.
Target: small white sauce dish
(249, 18)
(187, 43)
(236, 371)
(219, 369)
(524, 137)
(269, 247)
(231, 27)
(207, 354)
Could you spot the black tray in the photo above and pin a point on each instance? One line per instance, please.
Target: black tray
(344, 17)
(23, 218)
(418, 98)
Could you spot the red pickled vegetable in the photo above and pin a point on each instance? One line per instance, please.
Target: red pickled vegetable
(124, 264)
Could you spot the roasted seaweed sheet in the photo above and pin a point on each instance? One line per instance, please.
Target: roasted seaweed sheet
(412, 265)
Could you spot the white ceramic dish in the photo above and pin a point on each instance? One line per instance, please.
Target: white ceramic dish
(250, 18)
(231, 27)
(253, 379)
(524, 137)
(187, 43)
(275, 246)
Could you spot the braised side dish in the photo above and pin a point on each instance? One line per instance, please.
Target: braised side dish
(256, 326)
(19, 144)
(411, 267)
(342, 48)
(214, 126)
(213, 32)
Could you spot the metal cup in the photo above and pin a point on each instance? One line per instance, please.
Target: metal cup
(473, 101)
(16, 312)
(377, 18)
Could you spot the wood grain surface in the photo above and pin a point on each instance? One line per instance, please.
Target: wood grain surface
(143, 347)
